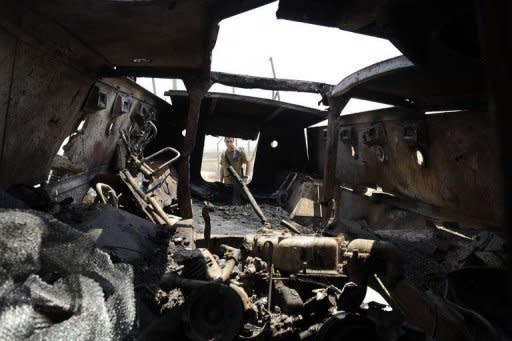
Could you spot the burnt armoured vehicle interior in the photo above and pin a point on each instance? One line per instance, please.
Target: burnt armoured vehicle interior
(117, 236)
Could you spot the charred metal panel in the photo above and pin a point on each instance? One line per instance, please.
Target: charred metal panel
(7, 57)
(349, 15)
(45, 99)
(399, 82)
(453, 166)
(95, 144)
(304, 203)
(273, 163)
(357, 207)
(196, 159)
(176, 34)
(434, 33)
(46, 74)
(242, 116)
(92, 148)
(47, 36)
(316, 149)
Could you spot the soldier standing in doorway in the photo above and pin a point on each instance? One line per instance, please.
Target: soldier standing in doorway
(236, 158)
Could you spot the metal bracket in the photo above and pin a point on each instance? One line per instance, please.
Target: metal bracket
(348, 136)
(375, 135)
(414, 133)
(96, 101)
(125, 102)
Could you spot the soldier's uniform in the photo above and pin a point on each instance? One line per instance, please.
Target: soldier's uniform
(236, 159)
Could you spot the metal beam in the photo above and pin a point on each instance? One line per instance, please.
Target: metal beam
(336, 106)
(149, 71)
(369, 73)
(251, 82)
(197, 89)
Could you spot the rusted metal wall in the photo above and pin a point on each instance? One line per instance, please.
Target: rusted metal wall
(43, 105)
(317, 137)
(460, 170)
(196, 160)
(272, 164)
(44, 83)
(95, 144)
(171, 127)
(7, 54)
(107, 110)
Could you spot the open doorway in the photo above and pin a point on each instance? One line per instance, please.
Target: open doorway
(214, 148)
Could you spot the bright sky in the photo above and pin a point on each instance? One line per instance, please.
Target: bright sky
(300, 51)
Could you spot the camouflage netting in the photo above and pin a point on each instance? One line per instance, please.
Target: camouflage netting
(55, 283)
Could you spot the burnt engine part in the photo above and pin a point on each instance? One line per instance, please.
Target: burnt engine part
(107, 194)
(205, 212)
(198, 264)
(287, 298)
(286, 287)
(305, 287)
(347, 326)
(213, 312)
(290, 226)
(300, 254)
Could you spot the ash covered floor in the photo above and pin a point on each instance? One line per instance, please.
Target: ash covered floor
(237, 219)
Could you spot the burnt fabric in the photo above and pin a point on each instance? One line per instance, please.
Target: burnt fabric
(56, 285)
